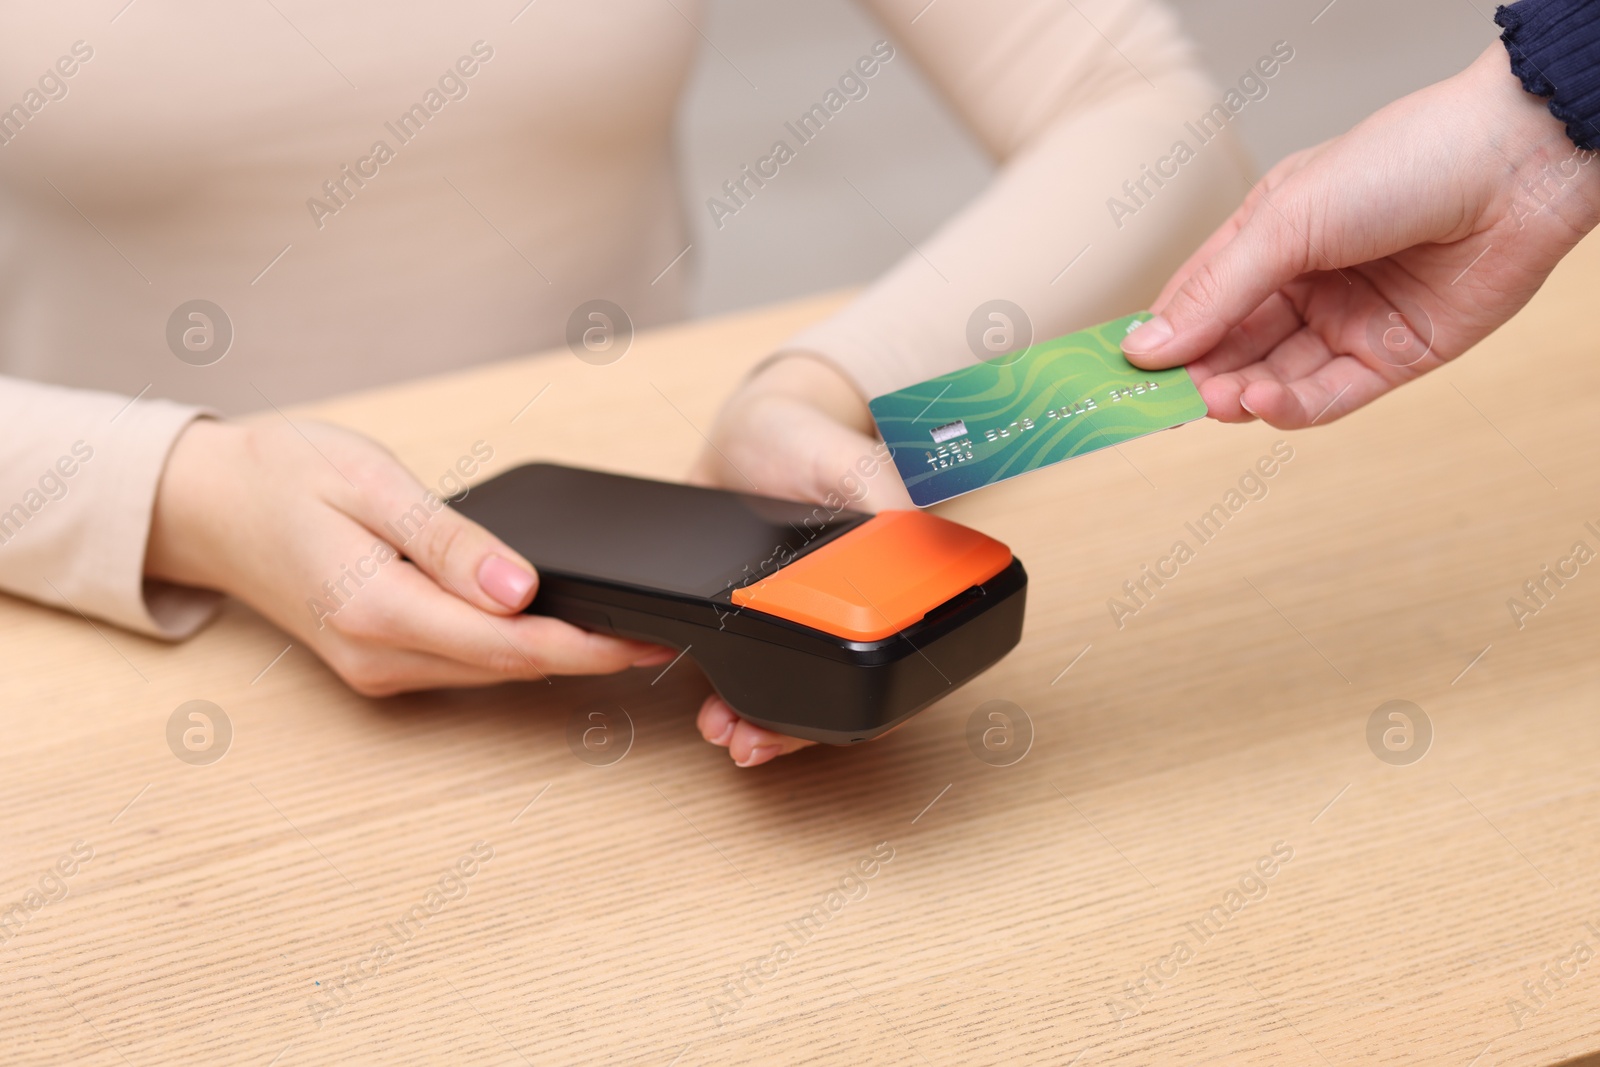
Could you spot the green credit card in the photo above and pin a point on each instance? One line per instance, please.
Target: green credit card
(1016, 413)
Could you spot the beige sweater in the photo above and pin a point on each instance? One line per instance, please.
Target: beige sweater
(373, 192)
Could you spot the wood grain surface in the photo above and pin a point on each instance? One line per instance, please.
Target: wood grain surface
(254, 910)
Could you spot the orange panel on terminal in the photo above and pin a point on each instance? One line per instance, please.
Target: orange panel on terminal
(880, 577)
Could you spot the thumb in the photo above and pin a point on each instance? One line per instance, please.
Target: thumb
(457, 553)
(472, 563)
(869, 480)
(1222, 289)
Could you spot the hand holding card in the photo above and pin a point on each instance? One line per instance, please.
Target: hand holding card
(1016, 413)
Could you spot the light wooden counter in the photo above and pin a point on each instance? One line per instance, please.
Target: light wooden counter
(1023, 905)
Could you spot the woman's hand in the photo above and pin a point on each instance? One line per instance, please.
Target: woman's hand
(796, 429)
(1375, 257)
(352, 556)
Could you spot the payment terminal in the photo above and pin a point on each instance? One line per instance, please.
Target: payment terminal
(832, 626)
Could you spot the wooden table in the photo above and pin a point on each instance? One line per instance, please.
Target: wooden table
(1030, 913)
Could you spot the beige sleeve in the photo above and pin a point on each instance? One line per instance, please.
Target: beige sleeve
(78, 476)
(1075, 99)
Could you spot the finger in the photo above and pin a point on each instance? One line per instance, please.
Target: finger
(1298, 356)
(1338, 388)
(749, 745)
(447, 546)
(716, 721)
(754, 745)
(1222, 394)
(1225, 233)
(1335, 388)
(1262, 331)
(855, 454)
(383, 670)
(703, 471)
(788, 448)
(1220, 292)
(1213, 244)
(1272, 180)
(405, 609)
(380, 670)
(1274, 322)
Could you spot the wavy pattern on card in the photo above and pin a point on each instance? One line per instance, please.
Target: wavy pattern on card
(1016, 413)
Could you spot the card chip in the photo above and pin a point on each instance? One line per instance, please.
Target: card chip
(949, 430)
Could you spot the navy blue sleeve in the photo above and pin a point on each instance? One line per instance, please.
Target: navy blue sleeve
(1555, 51)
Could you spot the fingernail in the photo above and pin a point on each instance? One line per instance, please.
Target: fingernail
(655, 658)
(505, 581)
(760, 754)
(1246, 404)
(722, 739)
(1149, 337)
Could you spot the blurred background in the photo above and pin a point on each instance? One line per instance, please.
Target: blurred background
(764, 61)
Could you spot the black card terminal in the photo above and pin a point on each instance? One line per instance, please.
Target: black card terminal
(832, 626)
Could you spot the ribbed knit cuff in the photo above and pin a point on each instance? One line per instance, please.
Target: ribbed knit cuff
(1555, 50)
